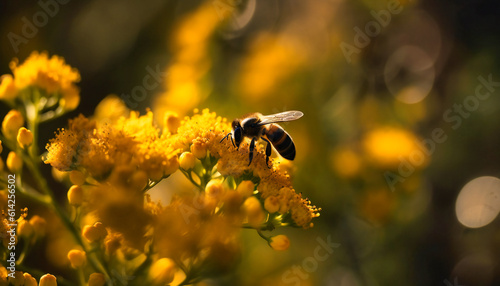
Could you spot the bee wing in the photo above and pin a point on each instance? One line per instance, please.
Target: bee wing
(280, 117)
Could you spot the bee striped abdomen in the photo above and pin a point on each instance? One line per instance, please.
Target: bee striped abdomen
(281, 141)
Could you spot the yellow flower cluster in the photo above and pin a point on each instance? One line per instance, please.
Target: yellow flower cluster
(116, 162)
(54, 79)
(99, 150)
(207, 129)
(20, 278)
(185, 81)
(137, 143)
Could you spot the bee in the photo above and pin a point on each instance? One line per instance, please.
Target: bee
(256, 125)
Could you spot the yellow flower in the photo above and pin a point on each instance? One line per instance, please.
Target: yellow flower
(51, 75)
(39, 225)
(66, 150)
(76, 177)
(162, 271)
(184, 83)
(8, 90)
(215, 189)
(14, 162)
(24, 228)
(110, 110)
(94, 232)
(77, 258)
(199, 148)
(280, 242)
(29, 280)
(187, 160)
(386, 147)
(18, 279)
(254, 212)
(246, 188)
(133, 141)
(171, 122)
(270, 61)
(272, 204)
(75, 195)
(24, 137)
(48, 280)
(97, 279)
(113, 153)
(11, 124)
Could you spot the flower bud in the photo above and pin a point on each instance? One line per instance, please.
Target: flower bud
(70, 98)
(11, 124)
(187, 160)
(77, 258)
(162, 271)
(172, 166)
(172, 122)
(8, 88)
(215, 189)
(199, 149)
(29, 280)
(75, 195)
(39, 225)
(14, 162)
(254, 212)
(77, 178)
(17, 280)
(24, 228)
(280, 242)
(246, 188)
(48, 280)
(272, 204)
(94, 232)
(97, 279)
(24, 137)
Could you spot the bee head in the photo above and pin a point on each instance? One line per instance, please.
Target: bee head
(237, 132)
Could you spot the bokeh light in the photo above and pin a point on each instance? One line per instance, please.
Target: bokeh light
(478, 203)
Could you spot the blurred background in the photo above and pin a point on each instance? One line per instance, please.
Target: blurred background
(398, 145)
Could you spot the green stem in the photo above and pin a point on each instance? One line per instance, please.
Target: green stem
(188, 176)
(32, 114)
(65, 219)
(81, 277)
(32, 162)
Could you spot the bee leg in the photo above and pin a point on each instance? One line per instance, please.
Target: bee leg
(234, 145)
(225, 137)
(252, 147)
(268, 151)
(229, 135)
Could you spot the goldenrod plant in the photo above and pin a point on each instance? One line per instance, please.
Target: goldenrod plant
(109, 165)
